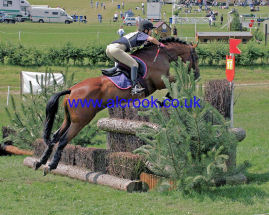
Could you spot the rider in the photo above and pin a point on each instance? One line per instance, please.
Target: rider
(117, 50)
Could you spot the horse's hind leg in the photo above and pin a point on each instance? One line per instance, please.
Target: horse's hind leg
(70, 133)
(50, 144)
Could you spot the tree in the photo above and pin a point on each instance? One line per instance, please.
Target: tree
(235, 23)
(192, 144)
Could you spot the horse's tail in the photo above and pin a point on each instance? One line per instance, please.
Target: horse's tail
(51, 110)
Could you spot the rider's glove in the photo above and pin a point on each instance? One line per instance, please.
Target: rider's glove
(161, 45)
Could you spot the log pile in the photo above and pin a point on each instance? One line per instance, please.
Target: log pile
(95, 165)
(121, 128)
(218, 93)
(92, 177)
(125, 165)
(91, 158)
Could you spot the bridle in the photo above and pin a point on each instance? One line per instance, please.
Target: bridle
(191, 59)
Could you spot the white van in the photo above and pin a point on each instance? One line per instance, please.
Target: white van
(15, 8)
(44, 14)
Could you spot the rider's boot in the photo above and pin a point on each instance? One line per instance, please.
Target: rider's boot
(136, 88)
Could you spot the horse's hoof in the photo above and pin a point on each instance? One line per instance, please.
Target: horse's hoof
(36, 165)
(46, 171)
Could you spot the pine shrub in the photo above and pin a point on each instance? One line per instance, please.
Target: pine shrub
(191, 145)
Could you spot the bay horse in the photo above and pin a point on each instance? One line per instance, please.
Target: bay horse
(102, 88)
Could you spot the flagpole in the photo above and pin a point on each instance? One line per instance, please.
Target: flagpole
(232, 99)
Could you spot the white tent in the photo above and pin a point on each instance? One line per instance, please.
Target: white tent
(35, 78)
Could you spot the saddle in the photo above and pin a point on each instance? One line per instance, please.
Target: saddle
(121, 76)
(123, 69)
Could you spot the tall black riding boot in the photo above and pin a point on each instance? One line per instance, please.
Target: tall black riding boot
(135, 87)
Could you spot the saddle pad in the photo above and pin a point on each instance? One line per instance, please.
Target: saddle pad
(122, 82)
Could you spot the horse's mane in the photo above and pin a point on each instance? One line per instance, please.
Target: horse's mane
(169, 40)
(164, 41)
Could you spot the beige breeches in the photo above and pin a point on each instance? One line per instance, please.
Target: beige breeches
(117, 52)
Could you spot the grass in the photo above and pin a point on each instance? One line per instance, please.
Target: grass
(10, 75)
(24, 191)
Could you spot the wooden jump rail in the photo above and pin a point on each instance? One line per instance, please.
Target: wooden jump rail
(91, 177)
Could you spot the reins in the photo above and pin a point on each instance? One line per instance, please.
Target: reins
(158, 51)
(171, 58)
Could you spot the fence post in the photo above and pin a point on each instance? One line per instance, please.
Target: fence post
(8, 92)
(98, 37)
(266, 32)
(232, 105)
(195, 28)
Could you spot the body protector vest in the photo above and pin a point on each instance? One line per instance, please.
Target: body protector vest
(130, 40)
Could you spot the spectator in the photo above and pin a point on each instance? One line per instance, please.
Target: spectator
(85, 19)
(97, 3)
(99, 18)
(101, 5)
(91, 3)
(259, 21)
(210, 20)
(143, 8)
(121, 14)
(174, 31)
(115, 18)
(221, 19)
(122, 5)
(104, 6)
(121, 31)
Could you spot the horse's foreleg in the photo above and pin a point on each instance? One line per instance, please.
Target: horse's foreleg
(70, 133)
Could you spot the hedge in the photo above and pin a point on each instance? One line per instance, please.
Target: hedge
(209, 54)
(215, 54)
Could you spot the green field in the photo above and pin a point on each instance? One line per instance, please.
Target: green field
(51, 34)
(26, 192)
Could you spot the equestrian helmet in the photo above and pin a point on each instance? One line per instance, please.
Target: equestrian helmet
(145, 25)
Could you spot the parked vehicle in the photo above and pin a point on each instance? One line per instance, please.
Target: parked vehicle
(44, 14)
(154, 10)
(129, 21)
(19, 9)
(7, 18)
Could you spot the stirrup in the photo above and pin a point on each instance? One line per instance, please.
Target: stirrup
(137, 89)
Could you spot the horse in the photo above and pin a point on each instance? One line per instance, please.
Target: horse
(103, 89)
